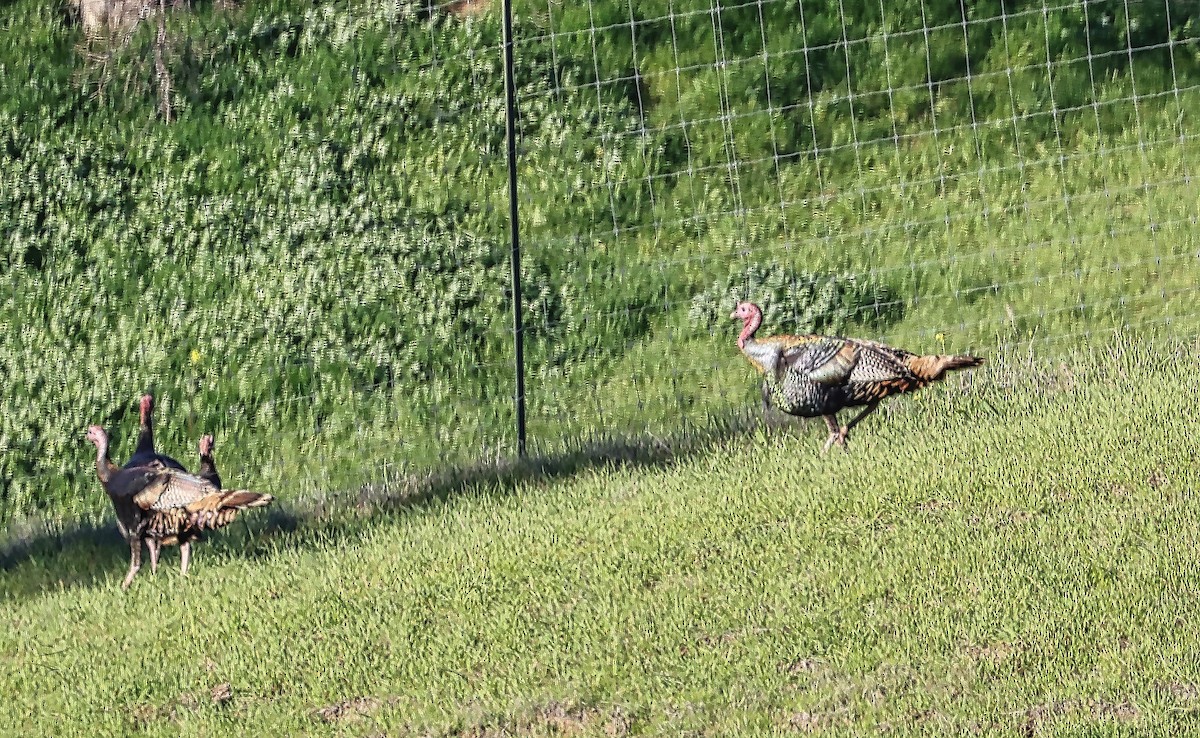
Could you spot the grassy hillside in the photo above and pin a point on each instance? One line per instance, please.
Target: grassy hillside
(310, 261)
(1010, 553)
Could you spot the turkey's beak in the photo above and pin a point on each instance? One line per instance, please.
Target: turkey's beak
(733, 314)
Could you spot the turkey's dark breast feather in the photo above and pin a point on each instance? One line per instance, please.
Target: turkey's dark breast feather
(123, 489)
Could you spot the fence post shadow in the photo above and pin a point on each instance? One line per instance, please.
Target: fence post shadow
(297, 524)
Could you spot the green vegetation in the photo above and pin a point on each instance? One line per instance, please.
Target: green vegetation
(797, 302)
(967, 568)
(310, 261)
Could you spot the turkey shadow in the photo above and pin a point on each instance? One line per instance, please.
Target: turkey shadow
(43, 558)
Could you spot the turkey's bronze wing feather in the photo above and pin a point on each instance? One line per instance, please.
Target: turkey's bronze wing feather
(882, 371)
(827, 361)
(173, 489)
(168, 524)
(881, 363)
(178, 500)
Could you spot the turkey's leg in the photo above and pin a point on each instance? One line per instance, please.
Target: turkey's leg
(834, 433)
(135, 561)
(185, 552)
(844, 433)
(155, 547)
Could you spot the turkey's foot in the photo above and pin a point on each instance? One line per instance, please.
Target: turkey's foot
(835, 433)
(842, 437)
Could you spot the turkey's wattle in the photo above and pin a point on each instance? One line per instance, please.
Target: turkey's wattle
(811, 375)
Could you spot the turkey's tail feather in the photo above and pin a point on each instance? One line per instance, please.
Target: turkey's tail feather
(243, 499)
(219, 510)
(934, 367)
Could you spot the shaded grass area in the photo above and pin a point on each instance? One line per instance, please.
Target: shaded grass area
(1010, 553)
(304, 520)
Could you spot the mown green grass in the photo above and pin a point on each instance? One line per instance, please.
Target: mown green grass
(1010, 552)
(311, 261)
(272, 265)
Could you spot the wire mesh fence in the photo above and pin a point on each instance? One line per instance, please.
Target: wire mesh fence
(941, 176)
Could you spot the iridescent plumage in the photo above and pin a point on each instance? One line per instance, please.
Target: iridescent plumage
(160, 505)
(813, 375)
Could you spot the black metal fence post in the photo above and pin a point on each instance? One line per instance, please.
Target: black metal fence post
(510, 125)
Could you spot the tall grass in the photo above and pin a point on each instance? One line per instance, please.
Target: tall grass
(310, 262)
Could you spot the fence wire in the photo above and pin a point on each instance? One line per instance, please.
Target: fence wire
(938, 176)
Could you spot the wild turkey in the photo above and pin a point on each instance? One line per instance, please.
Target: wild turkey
(161, 505)
(144, 453)
(208, 468)
(813, 375)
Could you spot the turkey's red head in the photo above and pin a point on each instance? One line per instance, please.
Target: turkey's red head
(96, 435)
(146, 407)
(751, 317)
(206, 445)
